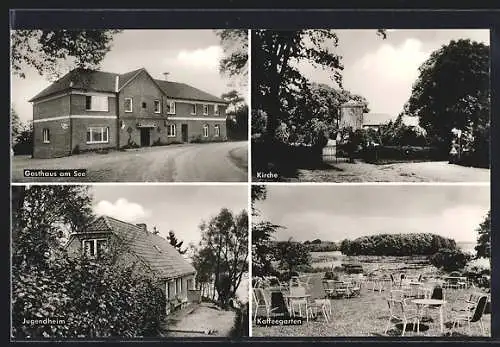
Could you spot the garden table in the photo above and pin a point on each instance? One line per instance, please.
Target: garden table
(421, 303)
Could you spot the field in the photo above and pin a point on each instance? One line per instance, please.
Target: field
(367, 315)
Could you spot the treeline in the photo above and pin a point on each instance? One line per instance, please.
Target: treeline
(397, 244)
(321, 246)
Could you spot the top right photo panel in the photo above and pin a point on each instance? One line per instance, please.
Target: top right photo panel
(375, 105)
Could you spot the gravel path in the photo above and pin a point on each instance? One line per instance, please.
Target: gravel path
(210, 162)
(400, 172)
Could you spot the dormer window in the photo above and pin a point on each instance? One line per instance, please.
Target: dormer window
(94, 248)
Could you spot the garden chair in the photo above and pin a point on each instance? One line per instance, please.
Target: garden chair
(400, 311)
(355, 289)
(471, 315)
(341, 289)
(261, 301)
(298, 302)
(328, 288)
(323, 305)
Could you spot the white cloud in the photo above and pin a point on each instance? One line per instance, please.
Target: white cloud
(396, 63)
(386, 75)
(202, 58)
(121, 209)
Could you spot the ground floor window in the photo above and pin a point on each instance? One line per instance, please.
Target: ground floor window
(178, 285)
(46, 135)
(171, 130)
(97, 135)
(216, 131)
(205, 130)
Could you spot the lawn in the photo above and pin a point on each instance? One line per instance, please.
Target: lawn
(368, 314)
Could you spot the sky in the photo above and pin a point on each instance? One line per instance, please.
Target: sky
(190, 56)
(337, 212)
(383, 71)
(180, 208)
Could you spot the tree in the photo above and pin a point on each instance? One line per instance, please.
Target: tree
(293, 256)
(46, 50)
(237, 120)
(15, 125)
(235, 45)
(223, 251)
(453, 90)
(277, 81)
(24, 140)
(315, 115)
(175, 242)
(262, 234)
(483, 247)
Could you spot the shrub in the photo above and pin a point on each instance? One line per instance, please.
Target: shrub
(95, 299)
(449, 259)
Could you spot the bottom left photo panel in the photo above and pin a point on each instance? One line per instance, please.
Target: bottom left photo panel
(129, 261)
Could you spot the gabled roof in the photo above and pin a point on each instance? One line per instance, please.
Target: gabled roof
(376, 119)
(154, 250)
(176, 90)
(101, 81)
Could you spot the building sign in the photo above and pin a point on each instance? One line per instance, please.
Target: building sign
(146, 125)
(64, 125)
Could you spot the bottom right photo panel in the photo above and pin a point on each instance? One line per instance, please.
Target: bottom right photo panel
(371, 260)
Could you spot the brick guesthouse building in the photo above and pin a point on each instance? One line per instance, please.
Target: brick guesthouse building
(134, 244)
(89, 110)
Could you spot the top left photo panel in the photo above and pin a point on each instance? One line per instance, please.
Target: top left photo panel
(129, 105)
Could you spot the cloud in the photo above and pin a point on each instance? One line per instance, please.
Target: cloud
(121, 209)
(202, 58)
(390, 70)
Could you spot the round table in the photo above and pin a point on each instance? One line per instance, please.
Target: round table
(421, 303)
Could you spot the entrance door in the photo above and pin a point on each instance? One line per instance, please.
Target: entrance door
(184, 132)
(145, 137)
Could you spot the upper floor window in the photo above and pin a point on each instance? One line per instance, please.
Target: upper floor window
(46, 135)
(144, 105)
(171, 107)
(157, 105)
(216, 131)
(96, 103)
(94, 247)
(216, 109)
(205, 130)
(128, 105)
(97, 135)
(205, 109)
(193, 108)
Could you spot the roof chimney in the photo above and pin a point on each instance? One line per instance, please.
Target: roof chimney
(117, 83)
(165, 75)
(143, 226)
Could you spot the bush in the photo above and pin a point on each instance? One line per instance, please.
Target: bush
(449, 259)
(384, 154)
(94, 298)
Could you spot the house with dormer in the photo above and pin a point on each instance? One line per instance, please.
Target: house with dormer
(135, 244)
(89, 110)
